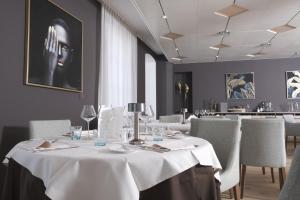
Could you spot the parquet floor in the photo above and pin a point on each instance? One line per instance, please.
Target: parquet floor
(259, 186)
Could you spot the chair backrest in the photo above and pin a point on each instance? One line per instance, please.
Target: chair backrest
(48, 128)
(171, 119)
(291, 187)
(263, 143)
(111, 118)
(223, 134)
(289, 118)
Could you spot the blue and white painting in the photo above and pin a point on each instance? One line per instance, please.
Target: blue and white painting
(240, 85)
(293, 84)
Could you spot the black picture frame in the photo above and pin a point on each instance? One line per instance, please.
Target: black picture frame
(53, 47)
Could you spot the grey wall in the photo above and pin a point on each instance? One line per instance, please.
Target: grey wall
(269, 77)
(20, 103)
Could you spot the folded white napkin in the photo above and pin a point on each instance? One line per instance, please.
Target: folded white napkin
(45, 145)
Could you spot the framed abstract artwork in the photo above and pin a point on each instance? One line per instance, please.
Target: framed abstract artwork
(240, 85)
(53, 46)
(293, 84)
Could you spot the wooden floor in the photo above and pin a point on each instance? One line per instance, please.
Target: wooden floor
(259, 186)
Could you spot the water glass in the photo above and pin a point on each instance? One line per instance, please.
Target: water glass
(157, 133)
(101, 137)
(75, 132)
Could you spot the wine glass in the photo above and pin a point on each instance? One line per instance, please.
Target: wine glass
(88, 113)
(146, 116)
(197, 112)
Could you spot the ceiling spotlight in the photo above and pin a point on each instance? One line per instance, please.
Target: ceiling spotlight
(177, 49)
(255, 54)
(231, 10)
(224, 33)
(171, 36)
(265, 44)
(164, 16)
(250, 55)
(217, 56)
(219, 46)
(179, 58)
(281, 29)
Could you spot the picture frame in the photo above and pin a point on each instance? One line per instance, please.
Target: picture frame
(292, 84)
(240, 85)
(53, 47)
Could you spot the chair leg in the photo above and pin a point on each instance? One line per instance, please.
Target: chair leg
(236, 192)
(295, 141)
(272, 174)
(281, 176)
(230, 193)
(263, 170)
(286, 141)
(243, 180)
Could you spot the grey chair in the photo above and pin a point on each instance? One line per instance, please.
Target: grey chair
(224, 135)
(48, 128)
(292, 128)
(263, 145)
(171, 119)
(291, 187)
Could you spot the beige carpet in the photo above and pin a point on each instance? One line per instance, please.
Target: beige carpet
(259, 186)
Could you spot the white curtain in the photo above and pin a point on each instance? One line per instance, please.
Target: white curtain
(118, 62)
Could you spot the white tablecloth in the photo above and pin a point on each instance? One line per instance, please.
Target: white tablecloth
(94, 173)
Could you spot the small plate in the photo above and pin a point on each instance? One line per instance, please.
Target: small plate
(120, 149)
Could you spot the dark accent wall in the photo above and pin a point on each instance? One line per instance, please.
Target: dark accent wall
(20, 103)
(269, 78)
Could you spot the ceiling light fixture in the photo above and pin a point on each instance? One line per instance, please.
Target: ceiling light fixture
(179, 58)
(177, 49)
(219, 46)
(164, 17)
(255, 54)
(231, 10)
(224, 33)
(171, 36)
(281, 29)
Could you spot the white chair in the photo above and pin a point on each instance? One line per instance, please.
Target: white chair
(48, 128)
(225, 137)
(171, 119)
(291, 187)
(262, 145)
(292, 128)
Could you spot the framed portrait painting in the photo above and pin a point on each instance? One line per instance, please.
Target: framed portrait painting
(293, 84)
(240, 85)
(53, 47)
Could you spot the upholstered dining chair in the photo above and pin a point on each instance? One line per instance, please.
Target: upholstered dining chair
(48, 128)
(171, 119)
(292, 128)
(291, 187)
(263, 145)
(224, 135)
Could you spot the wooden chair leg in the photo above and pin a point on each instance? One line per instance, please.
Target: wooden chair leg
(272, 174)
(243, 180)
(230, 193)
(295, 141)
(263, 170)
(281, 176)
(236, 192)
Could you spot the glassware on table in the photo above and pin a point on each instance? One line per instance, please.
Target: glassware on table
(146, 116)
(126, 132)
(75, 132)
(88, 113)
(197, 113)
(101, 137)
(157, 133)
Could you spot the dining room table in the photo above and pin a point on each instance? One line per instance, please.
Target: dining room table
(65, 169)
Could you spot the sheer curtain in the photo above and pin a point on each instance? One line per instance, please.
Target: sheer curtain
(118, 62)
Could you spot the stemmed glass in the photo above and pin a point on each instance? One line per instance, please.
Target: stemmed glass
(88, 113)
(146, 116)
